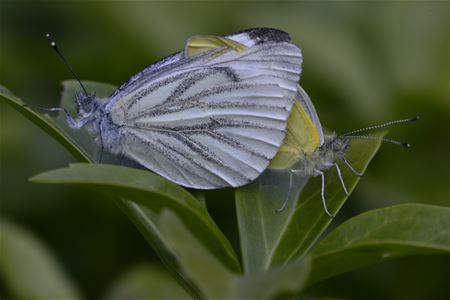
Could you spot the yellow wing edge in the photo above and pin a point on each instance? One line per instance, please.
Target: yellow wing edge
(201, 43)
(302, 138)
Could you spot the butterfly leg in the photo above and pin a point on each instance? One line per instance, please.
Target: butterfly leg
(73, 123)
(351, 168)
(323, 193)
(341, 179)
(283, 206)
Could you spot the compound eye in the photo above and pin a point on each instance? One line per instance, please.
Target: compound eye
(88, 105)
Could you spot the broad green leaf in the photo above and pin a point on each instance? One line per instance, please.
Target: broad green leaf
(45, 123)
(152, 193)
(146, 281)
(217, 281)
(269, 238)
(28, 268)
(377, 235)
(144, 220)
(80, 144)
(277, 283)
(197, 263)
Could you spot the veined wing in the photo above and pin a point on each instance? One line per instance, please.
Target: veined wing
(303, 134)
(307, 105)
(247, 38)
(212, 121)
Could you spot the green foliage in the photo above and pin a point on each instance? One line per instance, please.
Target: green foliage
(279, 255)
(269, 238)
(215, 281)
(371, 237)
(29, 269)
(45, 123)
(146, 281)
(149, 194)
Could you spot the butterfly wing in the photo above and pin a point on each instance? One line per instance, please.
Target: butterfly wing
(303, 133)
(307, 105)
(202, 43)
(210, 121)
(304, 130)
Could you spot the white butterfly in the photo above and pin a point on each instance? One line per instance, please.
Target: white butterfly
(211, 116)
(308, 152)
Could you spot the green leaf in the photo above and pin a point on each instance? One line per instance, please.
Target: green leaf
(146, 281)
(218, 282)
(197, 263)
(280, 282)
(29, 270)
(269, 238)
(45, 123)
(377, 235)
(145, 221)
(152, 193)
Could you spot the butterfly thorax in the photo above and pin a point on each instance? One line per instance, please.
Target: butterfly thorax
(334, 148)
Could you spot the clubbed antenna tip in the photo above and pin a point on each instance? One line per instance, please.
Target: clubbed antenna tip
(52, 43)
(69, 67)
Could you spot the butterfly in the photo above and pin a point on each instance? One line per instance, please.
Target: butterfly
(309, 152)
(213, 115)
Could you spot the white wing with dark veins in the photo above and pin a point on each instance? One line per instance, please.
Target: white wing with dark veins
(212, 120)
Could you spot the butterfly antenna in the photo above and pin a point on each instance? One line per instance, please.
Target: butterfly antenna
(375, 127)
(55, 47)
(378, 138)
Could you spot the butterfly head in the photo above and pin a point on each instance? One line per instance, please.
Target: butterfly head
(334, 147)
(85, 104)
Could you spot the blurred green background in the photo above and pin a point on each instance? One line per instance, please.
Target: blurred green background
(364, 63)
